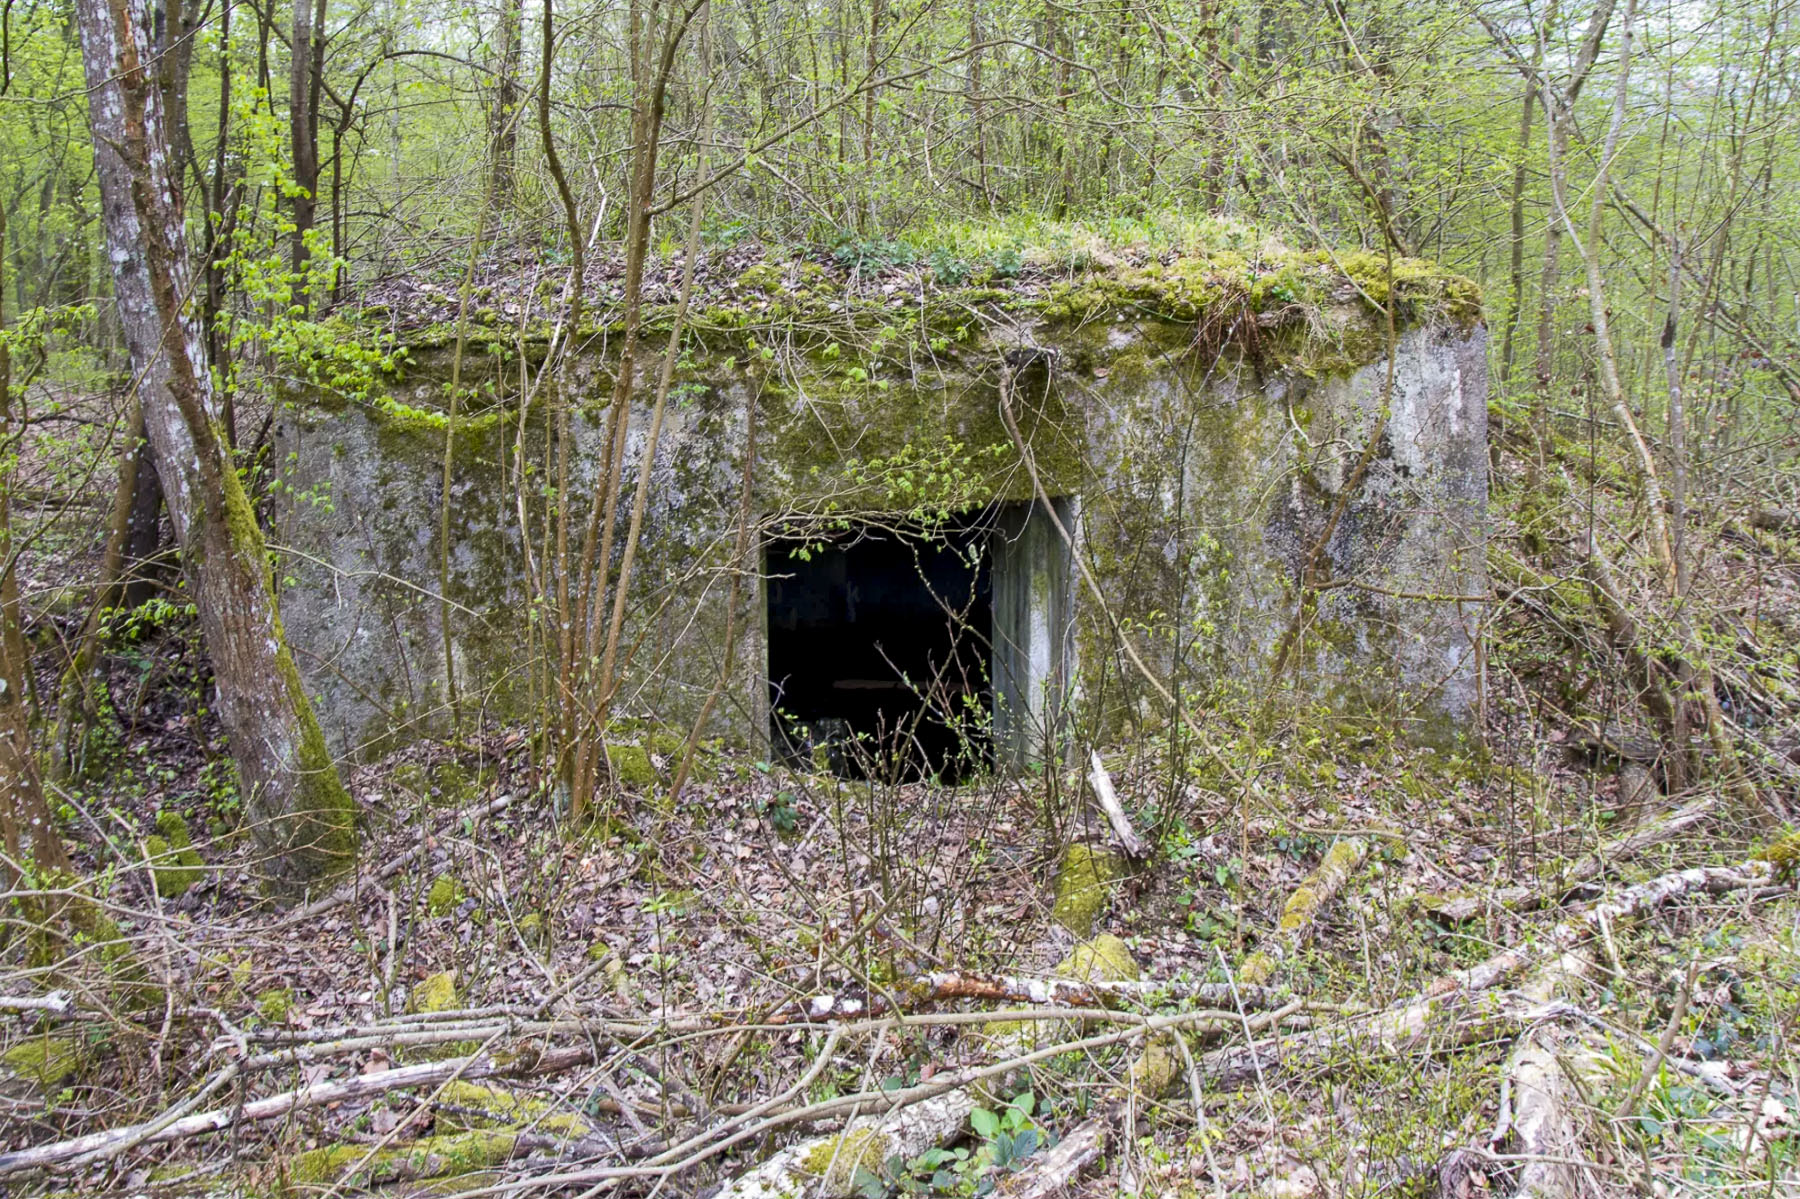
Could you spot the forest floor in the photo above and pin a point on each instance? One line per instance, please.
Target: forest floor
(683, 949)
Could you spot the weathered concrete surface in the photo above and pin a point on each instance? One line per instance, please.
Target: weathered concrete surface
(1200, 479)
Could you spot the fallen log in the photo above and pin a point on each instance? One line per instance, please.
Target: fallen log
(1057, 1170)
(1309, 899)
(829, 1166)
(367, 1086)
(1538, 1117)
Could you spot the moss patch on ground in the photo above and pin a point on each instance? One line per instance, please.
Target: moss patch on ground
(275, 1004)
(175, 864)
(1083, 886)
(45, 1061)
(1104, 959)
(631, 766)
(438, 993)
(444, 896)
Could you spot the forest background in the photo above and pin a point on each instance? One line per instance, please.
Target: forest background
(193, 197)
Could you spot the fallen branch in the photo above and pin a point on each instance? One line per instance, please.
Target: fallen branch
(57, 1003)
(1309, 899)
(1454, 1011)
(1590, 867)
(367, 1086)
(829, 1165)
(1101, 781)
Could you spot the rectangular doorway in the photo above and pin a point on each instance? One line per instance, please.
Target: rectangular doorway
(896, 652)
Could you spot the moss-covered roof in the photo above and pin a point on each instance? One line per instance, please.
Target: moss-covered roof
(748, 287)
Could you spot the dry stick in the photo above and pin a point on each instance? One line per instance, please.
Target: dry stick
(559, 416)
(663, 1165)
(364, 1087)
(1597, 310)
(1391, 1029)
(1653, 1063)
(1102, 784)
(551, 1061)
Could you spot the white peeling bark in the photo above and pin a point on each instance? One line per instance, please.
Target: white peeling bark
(826, 1166)
(300, 813)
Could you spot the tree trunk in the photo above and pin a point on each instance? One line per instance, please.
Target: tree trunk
(301, 815)
(503, 117)
(303, 129)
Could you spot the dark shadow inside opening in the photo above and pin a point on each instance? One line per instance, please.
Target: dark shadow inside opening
(878, 651)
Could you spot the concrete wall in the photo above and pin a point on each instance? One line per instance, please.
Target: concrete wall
(1200, 480)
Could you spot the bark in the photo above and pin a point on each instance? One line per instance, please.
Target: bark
(303, 127)
(300, 813)
(143, 567)
(502, 120)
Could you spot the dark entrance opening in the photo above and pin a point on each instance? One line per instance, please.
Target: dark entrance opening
(879, 643)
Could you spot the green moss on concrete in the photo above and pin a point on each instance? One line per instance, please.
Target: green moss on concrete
(445, 894)
(1083, 886)
(836, 1159)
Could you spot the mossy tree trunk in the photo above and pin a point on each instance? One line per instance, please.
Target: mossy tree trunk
(301, 815)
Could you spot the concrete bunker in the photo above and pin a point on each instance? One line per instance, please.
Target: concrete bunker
(895, 649)
(1210, 491)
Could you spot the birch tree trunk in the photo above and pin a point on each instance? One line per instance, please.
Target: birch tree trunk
(301, 815)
